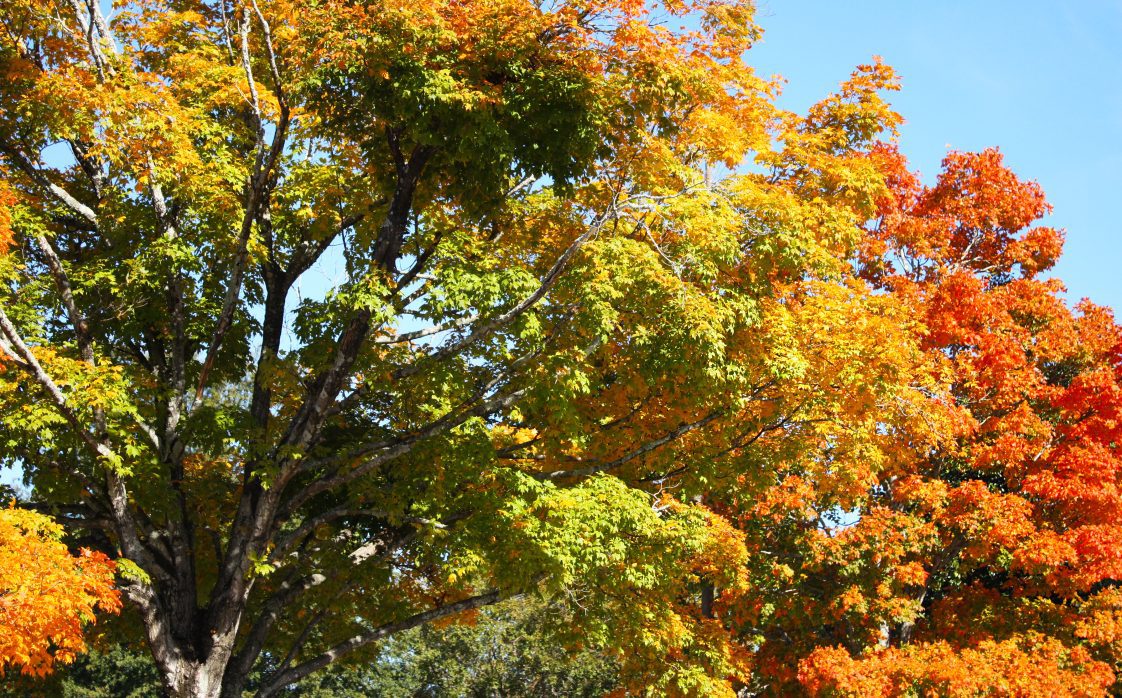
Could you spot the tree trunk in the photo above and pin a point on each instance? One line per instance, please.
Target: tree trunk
(201, 677)
(186, 679)
(192, 661)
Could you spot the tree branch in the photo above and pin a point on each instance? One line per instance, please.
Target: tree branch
(35, 369)
(242, 662)
(402, 447)
(118, 495)
(62, 282)
(427, 332)
(95, 28)
(257, 190)
(40, 178)
(486, 328)
(644, 449)
(290, 675)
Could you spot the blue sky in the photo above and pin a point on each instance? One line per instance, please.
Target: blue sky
(1041, 80)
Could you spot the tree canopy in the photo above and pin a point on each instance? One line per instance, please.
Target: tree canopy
(329, 319)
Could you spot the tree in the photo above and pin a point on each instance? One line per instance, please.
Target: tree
(331, 319)
(983, 562)
(335, 318)
(46, 594)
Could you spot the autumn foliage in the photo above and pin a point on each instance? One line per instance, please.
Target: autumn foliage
(47, 595)
(7, 198)
(984, 563)
(332, 319)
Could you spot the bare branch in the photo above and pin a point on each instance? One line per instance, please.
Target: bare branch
(10, 352)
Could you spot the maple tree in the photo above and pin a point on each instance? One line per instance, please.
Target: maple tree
(46, 594)
(332, 319)
(983, 561)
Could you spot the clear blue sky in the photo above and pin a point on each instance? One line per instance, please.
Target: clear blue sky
(1041, 80)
